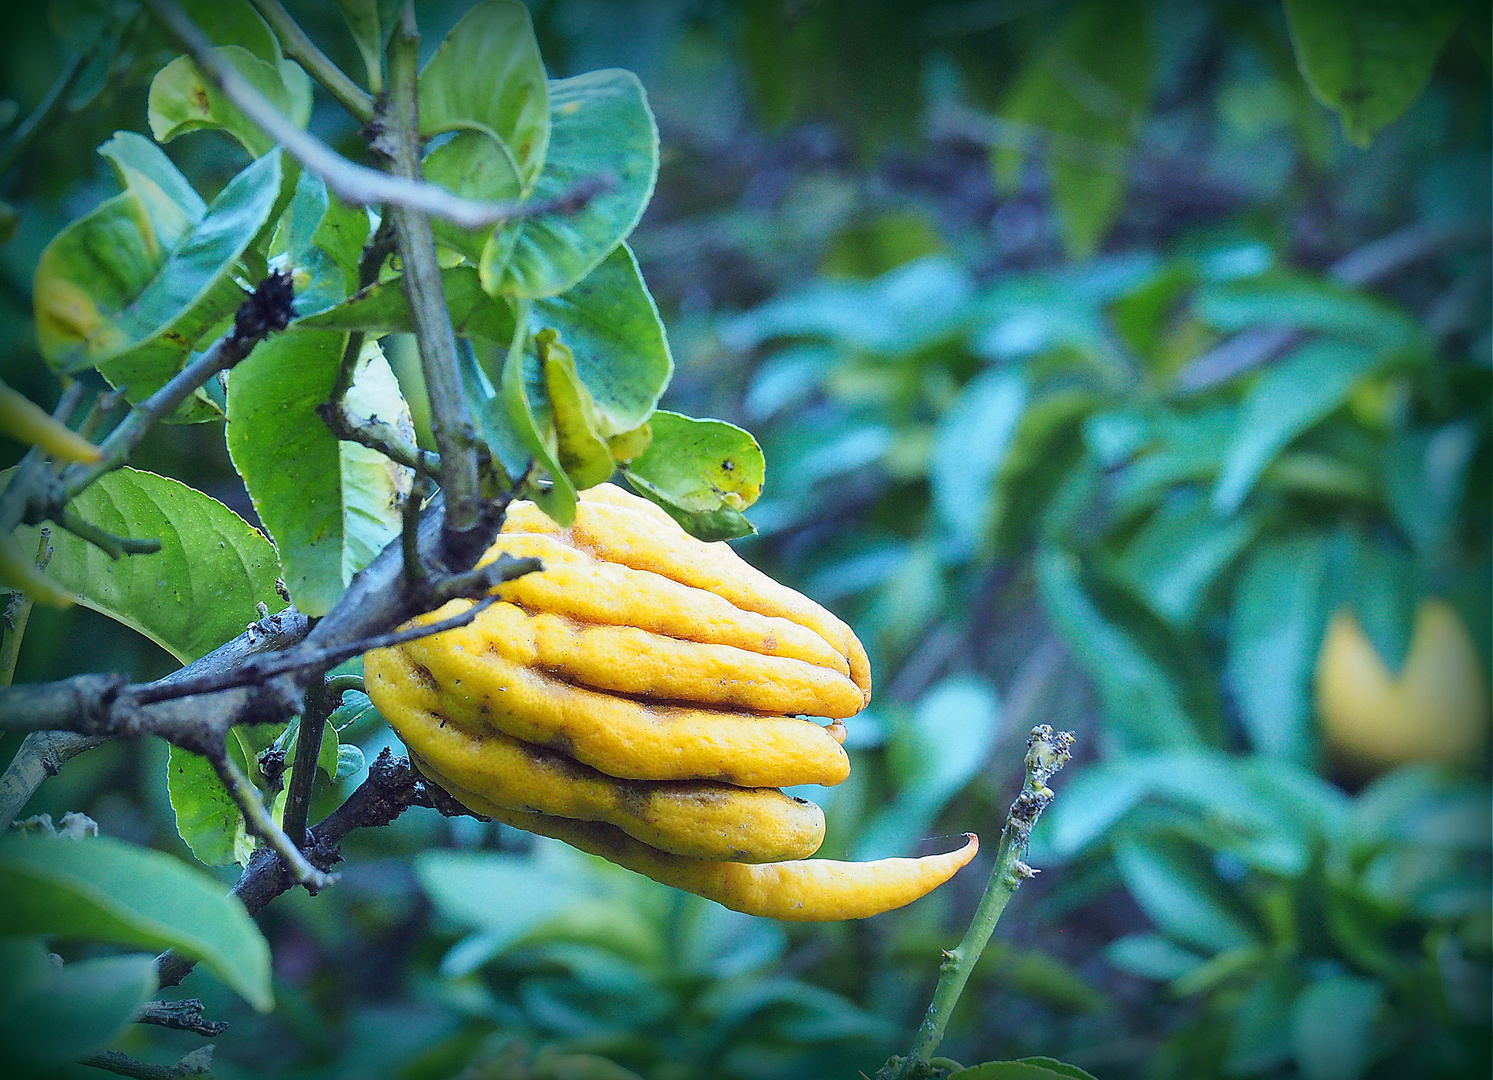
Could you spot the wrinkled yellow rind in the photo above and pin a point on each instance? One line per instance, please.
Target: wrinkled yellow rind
(461, 676)
(628, 660)
(811, 890)
(576, 586)
(620, 528)
(697, 819)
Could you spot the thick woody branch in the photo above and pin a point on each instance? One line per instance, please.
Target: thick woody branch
(353, 183)
(185, 1014)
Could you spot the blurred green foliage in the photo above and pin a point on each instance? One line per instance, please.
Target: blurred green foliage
(1099, 352)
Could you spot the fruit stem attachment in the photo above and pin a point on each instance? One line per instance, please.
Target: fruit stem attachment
(1046, 752)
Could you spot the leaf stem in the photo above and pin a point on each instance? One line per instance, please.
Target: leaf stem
(1046, 752)
(302, 49)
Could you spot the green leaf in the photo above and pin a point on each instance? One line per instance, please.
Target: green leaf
(319, 240)
(1024, 1069)
(1306, 302)
(330, 506)
(1166, 881)
(947, 742)
(384, 308)
(110, 294)
(1151, 956)
(969, 449)
(611, 324)
(1084, 98)
(1380, 583)
(142, 167)
(1178, 554)
(1369, 60)
(1137, 688)
(106, 890)
(1275, 628)
(1261, 1035)
(703, 472)
(50, 1014)
(1332, 1027)
(600, 127)
(367, 23)
(487, 77)
(235, 22)
(182, 99)
(207, 818)
(201, 589)
(476, 166)
(1425, 476)
(1294, 395)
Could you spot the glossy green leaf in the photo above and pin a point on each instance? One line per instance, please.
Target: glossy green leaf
(1181, 898)
(487, 77)
(109, 294)
(143, 168)
(384, 308)
(600, 127)
(1332, 1027)
(330, 506)
(703, 472)
(1369, 60)
(475, 165)
(1137, 688)
(1275, 629)
(207, 818)
(106, 890)
(182, 99)
(1294, 395)
(946, 743)
(612, 326)
(1083, 99)
(1179, 553)
(201, 589)
(319, 240)
(969, 448)
(51, 1014)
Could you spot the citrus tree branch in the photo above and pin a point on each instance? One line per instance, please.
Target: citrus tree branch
(304, 51)
(353, 183)
(1046, 752)
(303, 769)
(258, 822)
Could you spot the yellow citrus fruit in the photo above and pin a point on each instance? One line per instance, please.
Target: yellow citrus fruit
(1435, 710)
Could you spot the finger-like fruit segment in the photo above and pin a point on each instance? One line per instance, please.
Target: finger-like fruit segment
(809, 890)
(620, 528)
(698, 819)
(576, 586)
(456, 675)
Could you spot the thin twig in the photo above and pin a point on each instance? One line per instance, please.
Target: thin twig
(302, 49)
(353, 183)
(34, 469)
(198, 1063)
(1047, 752)
(374, 434)
(39, 119)
(258, 822)
(338, 685)
(181, 1015)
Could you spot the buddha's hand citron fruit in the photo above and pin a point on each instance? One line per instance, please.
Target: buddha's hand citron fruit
(1435, 710)
(642, 697)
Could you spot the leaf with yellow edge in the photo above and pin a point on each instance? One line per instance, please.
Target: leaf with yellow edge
(182, 99)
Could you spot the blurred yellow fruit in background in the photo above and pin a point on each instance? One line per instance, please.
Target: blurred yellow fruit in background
(1435, 710)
